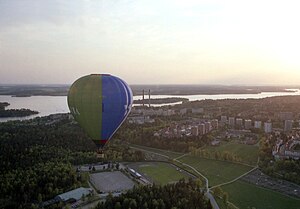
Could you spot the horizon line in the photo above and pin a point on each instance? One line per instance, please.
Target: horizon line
(153, 84)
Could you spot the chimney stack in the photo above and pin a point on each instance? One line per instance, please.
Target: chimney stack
(149, 98)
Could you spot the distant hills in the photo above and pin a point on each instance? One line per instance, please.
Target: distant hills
(62, 90)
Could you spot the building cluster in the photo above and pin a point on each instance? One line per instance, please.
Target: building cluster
(244, 136)
(140, 119)
(288, 148)
(178, 130)
(247, 124)
(164, 111)
(143, 115)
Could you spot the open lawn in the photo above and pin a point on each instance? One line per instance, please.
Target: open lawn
(245, 195)
(248, 153)
(162, 173)
(170, 154)
(216, 171)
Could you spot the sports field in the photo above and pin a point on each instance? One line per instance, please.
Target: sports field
(162, 173)
(248, 153)
(216, 171)
(245, 195)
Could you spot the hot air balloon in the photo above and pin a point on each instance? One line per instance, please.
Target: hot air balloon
(100, 103)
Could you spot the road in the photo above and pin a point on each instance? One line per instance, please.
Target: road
(207, 193)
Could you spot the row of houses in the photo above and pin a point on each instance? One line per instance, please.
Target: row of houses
(287, 148)
(164, 111)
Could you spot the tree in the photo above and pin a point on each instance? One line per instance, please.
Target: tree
(133, 204)
(218, 192)
(118, 205)
(225, 197)
(40, 198)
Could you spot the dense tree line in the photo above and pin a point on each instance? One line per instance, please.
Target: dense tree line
(180, 195)
(216, 155)
(17, 113)
(287, 169)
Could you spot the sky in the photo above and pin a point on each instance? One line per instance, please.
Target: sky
(230, 42)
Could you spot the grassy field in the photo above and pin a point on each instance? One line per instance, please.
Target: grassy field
(162, 173)
(170, 154)
(248, 153)
(221, 204)
(216, 171)
(245, 195)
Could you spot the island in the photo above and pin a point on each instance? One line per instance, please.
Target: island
(14, 112)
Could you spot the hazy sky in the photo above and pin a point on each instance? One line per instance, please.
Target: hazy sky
(151, 41)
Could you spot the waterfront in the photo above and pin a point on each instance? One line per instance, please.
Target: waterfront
(47, 105)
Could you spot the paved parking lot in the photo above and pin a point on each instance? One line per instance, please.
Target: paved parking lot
(111, 181)
(260, 179)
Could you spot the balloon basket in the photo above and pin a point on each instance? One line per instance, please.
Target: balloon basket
(100, 154)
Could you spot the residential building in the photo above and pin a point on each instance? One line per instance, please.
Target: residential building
(194, 131)
(288, 125)
(207, 127)
(201, 129)
(257, 124)
(248, 124)
(231, 121)
(268, 127)
(223, 119)
(215, 124)
(239, 122)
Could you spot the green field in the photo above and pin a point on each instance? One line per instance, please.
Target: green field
(248, 153)
(170, 154)
(162, 173)
(216, 171)
(245, 195)
(221, 204)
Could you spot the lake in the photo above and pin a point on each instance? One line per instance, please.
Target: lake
(47, 105)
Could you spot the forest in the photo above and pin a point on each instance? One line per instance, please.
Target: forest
(37, 159)
(181, 195)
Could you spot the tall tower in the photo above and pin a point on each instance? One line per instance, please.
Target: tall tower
(143, 97)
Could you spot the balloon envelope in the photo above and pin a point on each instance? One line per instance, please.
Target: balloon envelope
(100, 103)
